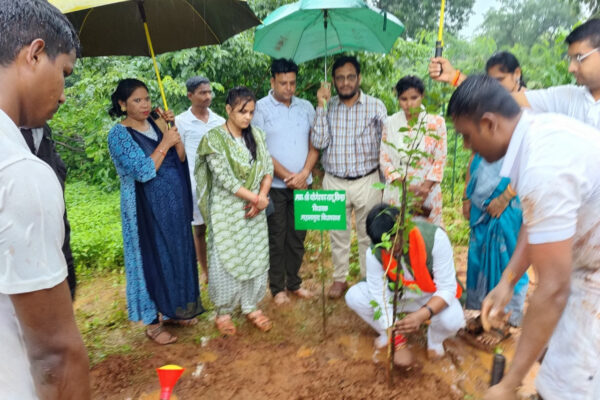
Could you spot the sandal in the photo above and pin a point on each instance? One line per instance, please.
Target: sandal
(181, 322)
(160, 335)
(473, 326)
(225, 325)
(485, 341)
(260, 320)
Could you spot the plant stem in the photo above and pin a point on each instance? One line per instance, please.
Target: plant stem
(322, 276)
(397, 293)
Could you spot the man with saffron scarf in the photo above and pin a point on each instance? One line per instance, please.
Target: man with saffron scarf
(429, 288)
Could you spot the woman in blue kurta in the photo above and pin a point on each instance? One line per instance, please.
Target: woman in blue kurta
(494, 232)
(156, 212)
(495, 217)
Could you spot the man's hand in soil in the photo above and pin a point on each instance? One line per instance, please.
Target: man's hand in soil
(492, 307)
(501, 391)
(412, 321)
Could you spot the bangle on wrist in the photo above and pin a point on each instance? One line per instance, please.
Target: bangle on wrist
(431, 313)
(161, 151)
(510, 191)
(466, 199)
(455, 79)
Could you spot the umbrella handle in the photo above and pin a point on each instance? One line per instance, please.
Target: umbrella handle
(149, 40)
(439, 44)
(160, 84)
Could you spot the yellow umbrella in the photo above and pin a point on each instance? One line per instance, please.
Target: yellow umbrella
(114, 27)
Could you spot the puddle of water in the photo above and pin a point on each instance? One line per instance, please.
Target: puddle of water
(207, 356)
(358, 347)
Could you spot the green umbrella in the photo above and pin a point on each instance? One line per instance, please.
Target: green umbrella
(310, 29)
(146, 27)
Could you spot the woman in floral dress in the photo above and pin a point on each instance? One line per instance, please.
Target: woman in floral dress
(429, 131)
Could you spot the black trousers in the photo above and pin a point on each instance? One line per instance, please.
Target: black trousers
(286, 244)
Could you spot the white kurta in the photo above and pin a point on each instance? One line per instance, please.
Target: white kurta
(443, 325)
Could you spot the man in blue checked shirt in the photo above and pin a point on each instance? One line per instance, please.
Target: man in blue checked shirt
(348, 130)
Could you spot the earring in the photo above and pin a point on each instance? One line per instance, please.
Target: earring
(124, 109)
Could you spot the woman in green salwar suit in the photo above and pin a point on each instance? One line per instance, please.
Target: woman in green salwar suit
(234, 173)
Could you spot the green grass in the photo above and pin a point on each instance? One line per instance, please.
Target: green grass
(95, 220)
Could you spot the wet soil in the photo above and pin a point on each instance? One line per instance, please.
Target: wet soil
(295, 360)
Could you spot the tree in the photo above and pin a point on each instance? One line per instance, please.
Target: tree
(418, 15)
(262, 8)
(593, 6)
(525, 21)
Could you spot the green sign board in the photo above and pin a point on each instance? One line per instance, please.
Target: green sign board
(320, 210)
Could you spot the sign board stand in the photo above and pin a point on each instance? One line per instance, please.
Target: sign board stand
(320, 210)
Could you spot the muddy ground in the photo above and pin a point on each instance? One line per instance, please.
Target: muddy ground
(295, 360)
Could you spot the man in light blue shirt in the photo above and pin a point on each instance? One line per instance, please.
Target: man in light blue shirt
(192, 126)
(287, 121)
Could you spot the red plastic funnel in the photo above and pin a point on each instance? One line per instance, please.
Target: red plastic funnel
(168, 376)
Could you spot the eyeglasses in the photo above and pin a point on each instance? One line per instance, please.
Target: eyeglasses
(341, 79)
(580, 57)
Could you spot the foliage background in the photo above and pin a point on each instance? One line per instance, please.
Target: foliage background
(82, 124)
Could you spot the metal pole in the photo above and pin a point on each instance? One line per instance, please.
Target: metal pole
(140, 4)
(325, 15)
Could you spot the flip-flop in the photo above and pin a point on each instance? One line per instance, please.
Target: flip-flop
(155, 334)
(492, 338)
(181, 322)
(225, 325)
(473, 325)
(260, 320)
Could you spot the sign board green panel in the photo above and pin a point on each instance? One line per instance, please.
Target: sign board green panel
(320, 210)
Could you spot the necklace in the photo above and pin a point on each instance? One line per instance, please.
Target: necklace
(144, 128)
(227, 127)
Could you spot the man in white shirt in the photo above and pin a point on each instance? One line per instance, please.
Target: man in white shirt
(580, 102)
(287, 122)
(192, 126)
(43, 355)
(552, 161)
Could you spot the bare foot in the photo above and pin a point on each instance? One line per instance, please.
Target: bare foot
(281, 298)
(303, 293)
(403, 357)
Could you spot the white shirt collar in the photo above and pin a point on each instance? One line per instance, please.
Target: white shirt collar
(589, 97)
(9, 128)
(514, 146)
(277, 102)
(189, 116)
